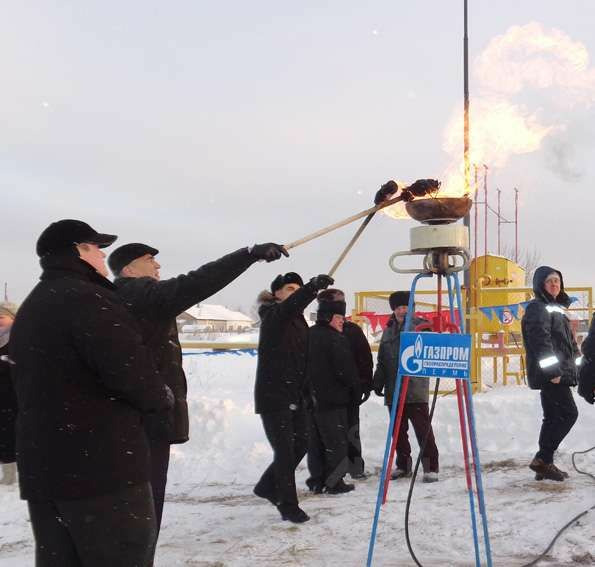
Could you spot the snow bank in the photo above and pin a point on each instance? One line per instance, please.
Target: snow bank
(212, 519)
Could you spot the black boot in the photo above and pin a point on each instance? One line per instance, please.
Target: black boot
(262, 494)
(546, 470)
(340, 488)
(293, 513)
(315, 485)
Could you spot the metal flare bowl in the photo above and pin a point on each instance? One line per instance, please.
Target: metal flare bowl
(439, 210)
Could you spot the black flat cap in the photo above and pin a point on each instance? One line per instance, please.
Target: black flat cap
(65, 233)
(123, 255)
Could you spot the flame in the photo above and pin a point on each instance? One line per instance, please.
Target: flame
(498, 130)
(524, 57)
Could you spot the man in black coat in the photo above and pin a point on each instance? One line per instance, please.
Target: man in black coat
(586, 383)
(83, 382)
(334, 386)
(156, 304)
(364, 364)
(552, 359)
(8, 400)
(279, 387)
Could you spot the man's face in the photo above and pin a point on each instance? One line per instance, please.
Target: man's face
(553, 285)
(6, 322)
(288, 289)
(400, 312)
(144, 267)
(337, 322)
(93, 255)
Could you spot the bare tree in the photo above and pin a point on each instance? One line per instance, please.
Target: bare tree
(528, 259)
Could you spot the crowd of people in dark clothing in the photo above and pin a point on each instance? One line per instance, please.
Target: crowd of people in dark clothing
(93, 392)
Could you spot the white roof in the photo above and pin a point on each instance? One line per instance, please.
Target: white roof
(216, 313)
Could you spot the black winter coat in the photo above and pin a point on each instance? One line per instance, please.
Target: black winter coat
(387, 365)
(282, 350)
(156, 304)
(551, 350)
(332, 375)
(82, 381)
(362, 353)
(8, 410)
(586, 385)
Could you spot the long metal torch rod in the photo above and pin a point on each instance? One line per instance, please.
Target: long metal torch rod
(343, 222)
(350, 244)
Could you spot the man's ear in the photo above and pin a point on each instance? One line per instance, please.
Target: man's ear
(126, 272)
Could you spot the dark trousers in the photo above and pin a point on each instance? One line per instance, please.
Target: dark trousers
(559, 415)
(356, 462)
(287, 432)
(159, 465)
(328, 459)
(419, 416)
(113, 530)
(160, 451)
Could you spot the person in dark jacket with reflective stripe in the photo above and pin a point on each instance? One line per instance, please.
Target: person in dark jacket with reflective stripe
(552, 360)
(156, 303)
(83, 381)
(279, 387)
(586, 385)
(416, 409)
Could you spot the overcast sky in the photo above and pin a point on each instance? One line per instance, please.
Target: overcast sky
(200, 127)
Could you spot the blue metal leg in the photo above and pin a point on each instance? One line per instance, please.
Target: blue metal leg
(474, 444)
(391, 425)
(462, 419)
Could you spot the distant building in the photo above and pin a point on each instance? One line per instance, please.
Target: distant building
(204, 318)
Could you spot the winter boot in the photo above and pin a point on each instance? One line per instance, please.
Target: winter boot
(340, 488)
(262, 494)
(293, 513)
(564, 473)
(539, 476)
(359, 475)
(400, 473)
(314, 485)
(430, 477)
(545, 470)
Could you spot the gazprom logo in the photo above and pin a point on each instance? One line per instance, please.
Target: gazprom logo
(435, 354)
(411, 356)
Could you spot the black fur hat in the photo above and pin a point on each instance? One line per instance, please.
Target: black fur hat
(398, 298)
(330, 302)
(288, 278)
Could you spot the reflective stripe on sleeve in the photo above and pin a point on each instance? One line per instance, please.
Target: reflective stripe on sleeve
(549, 361)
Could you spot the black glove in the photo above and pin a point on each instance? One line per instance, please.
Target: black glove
(387, 191)
(322, 281)
(420, 188)
(365, 397)
(269, 251)
(379, 391)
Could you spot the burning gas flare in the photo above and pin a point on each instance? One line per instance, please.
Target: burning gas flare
(525, 57)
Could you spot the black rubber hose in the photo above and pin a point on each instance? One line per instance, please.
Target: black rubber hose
(414, 476)
(576, 518)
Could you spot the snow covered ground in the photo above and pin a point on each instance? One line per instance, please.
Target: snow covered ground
(212, 519)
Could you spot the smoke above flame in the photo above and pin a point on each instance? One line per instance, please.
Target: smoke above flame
(513, 66)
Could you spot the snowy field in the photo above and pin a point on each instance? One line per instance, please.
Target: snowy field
(212, 519)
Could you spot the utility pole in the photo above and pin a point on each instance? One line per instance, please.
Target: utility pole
(467, 219)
